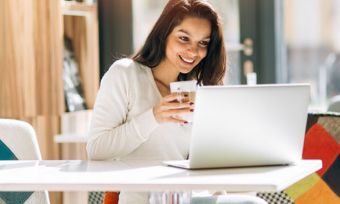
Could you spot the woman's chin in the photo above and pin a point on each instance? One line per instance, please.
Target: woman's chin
(185, 70)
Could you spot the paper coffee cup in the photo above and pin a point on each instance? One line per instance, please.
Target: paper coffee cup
(185, 87)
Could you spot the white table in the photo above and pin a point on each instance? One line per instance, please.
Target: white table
(76, 175)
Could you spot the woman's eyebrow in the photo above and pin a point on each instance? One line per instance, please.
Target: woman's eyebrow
(187, 33)
(184, 31)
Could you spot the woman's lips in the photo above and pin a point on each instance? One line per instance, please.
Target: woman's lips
(187, 60)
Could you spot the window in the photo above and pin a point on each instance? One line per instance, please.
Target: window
(312, 35)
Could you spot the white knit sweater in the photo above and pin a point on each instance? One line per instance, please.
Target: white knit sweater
(123, 125)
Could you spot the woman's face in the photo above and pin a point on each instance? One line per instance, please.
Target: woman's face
(187, 44)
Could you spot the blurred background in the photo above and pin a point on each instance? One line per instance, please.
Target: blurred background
(54, 53)
(282, 41)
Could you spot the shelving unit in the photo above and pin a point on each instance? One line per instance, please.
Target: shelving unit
(78, 9)
(80, 24)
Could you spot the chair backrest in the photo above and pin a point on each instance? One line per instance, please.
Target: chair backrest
(322, 141)
(18, 141)
(334, 104)
(20, 138)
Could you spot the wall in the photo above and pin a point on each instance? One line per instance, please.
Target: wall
(31, 89)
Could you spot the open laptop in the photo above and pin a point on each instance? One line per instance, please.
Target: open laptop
(237, 126)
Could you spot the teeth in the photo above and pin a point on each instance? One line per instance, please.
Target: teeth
(187, 60)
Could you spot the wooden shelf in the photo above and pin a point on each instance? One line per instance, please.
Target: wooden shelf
(70, 138)
(78, 9)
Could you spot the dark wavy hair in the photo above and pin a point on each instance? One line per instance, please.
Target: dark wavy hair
(211, 69)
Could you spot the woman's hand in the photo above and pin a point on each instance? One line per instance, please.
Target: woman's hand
(169, 109)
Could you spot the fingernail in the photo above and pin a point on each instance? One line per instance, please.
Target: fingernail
(186, 95)
(191, 103)
(191, 110)
(185, 122)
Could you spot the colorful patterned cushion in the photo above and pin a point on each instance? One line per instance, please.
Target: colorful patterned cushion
(95, 197)
(14, 197)
(277, 197)
(321, 142)
(111, 198)
(6, 153)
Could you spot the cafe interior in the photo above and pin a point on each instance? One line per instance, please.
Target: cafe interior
(53, 55)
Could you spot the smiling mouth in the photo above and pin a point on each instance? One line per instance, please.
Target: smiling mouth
(187, 60)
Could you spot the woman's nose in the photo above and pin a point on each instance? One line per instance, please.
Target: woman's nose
(193, 49)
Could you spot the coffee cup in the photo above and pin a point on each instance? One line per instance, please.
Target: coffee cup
(182, 88)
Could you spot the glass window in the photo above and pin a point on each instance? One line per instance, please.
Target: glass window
(146, 12)
(312, 35)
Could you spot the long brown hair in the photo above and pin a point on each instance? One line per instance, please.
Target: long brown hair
(211, 69)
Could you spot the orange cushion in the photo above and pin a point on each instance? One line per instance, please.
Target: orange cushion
(319, 193)
(111, 198)
(319, 144)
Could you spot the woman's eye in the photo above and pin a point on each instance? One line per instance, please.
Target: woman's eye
(204, 43)
(183, 38)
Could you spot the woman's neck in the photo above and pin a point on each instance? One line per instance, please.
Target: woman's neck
(163, 76)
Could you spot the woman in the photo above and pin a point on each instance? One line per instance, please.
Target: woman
(135, 116)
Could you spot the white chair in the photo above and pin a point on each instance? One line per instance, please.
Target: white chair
(18, 141)
(334, 104)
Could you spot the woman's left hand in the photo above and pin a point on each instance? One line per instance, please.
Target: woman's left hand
(169, 109)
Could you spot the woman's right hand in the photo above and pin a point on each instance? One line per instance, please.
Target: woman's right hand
(169, 109)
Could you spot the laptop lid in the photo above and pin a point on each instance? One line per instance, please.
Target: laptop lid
(248, 125)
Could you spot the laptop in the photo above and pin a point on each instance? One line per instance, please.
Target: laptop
(238, 126)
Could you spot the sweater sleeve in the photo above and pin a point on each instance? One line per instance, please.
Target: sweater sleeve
(111, 135)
